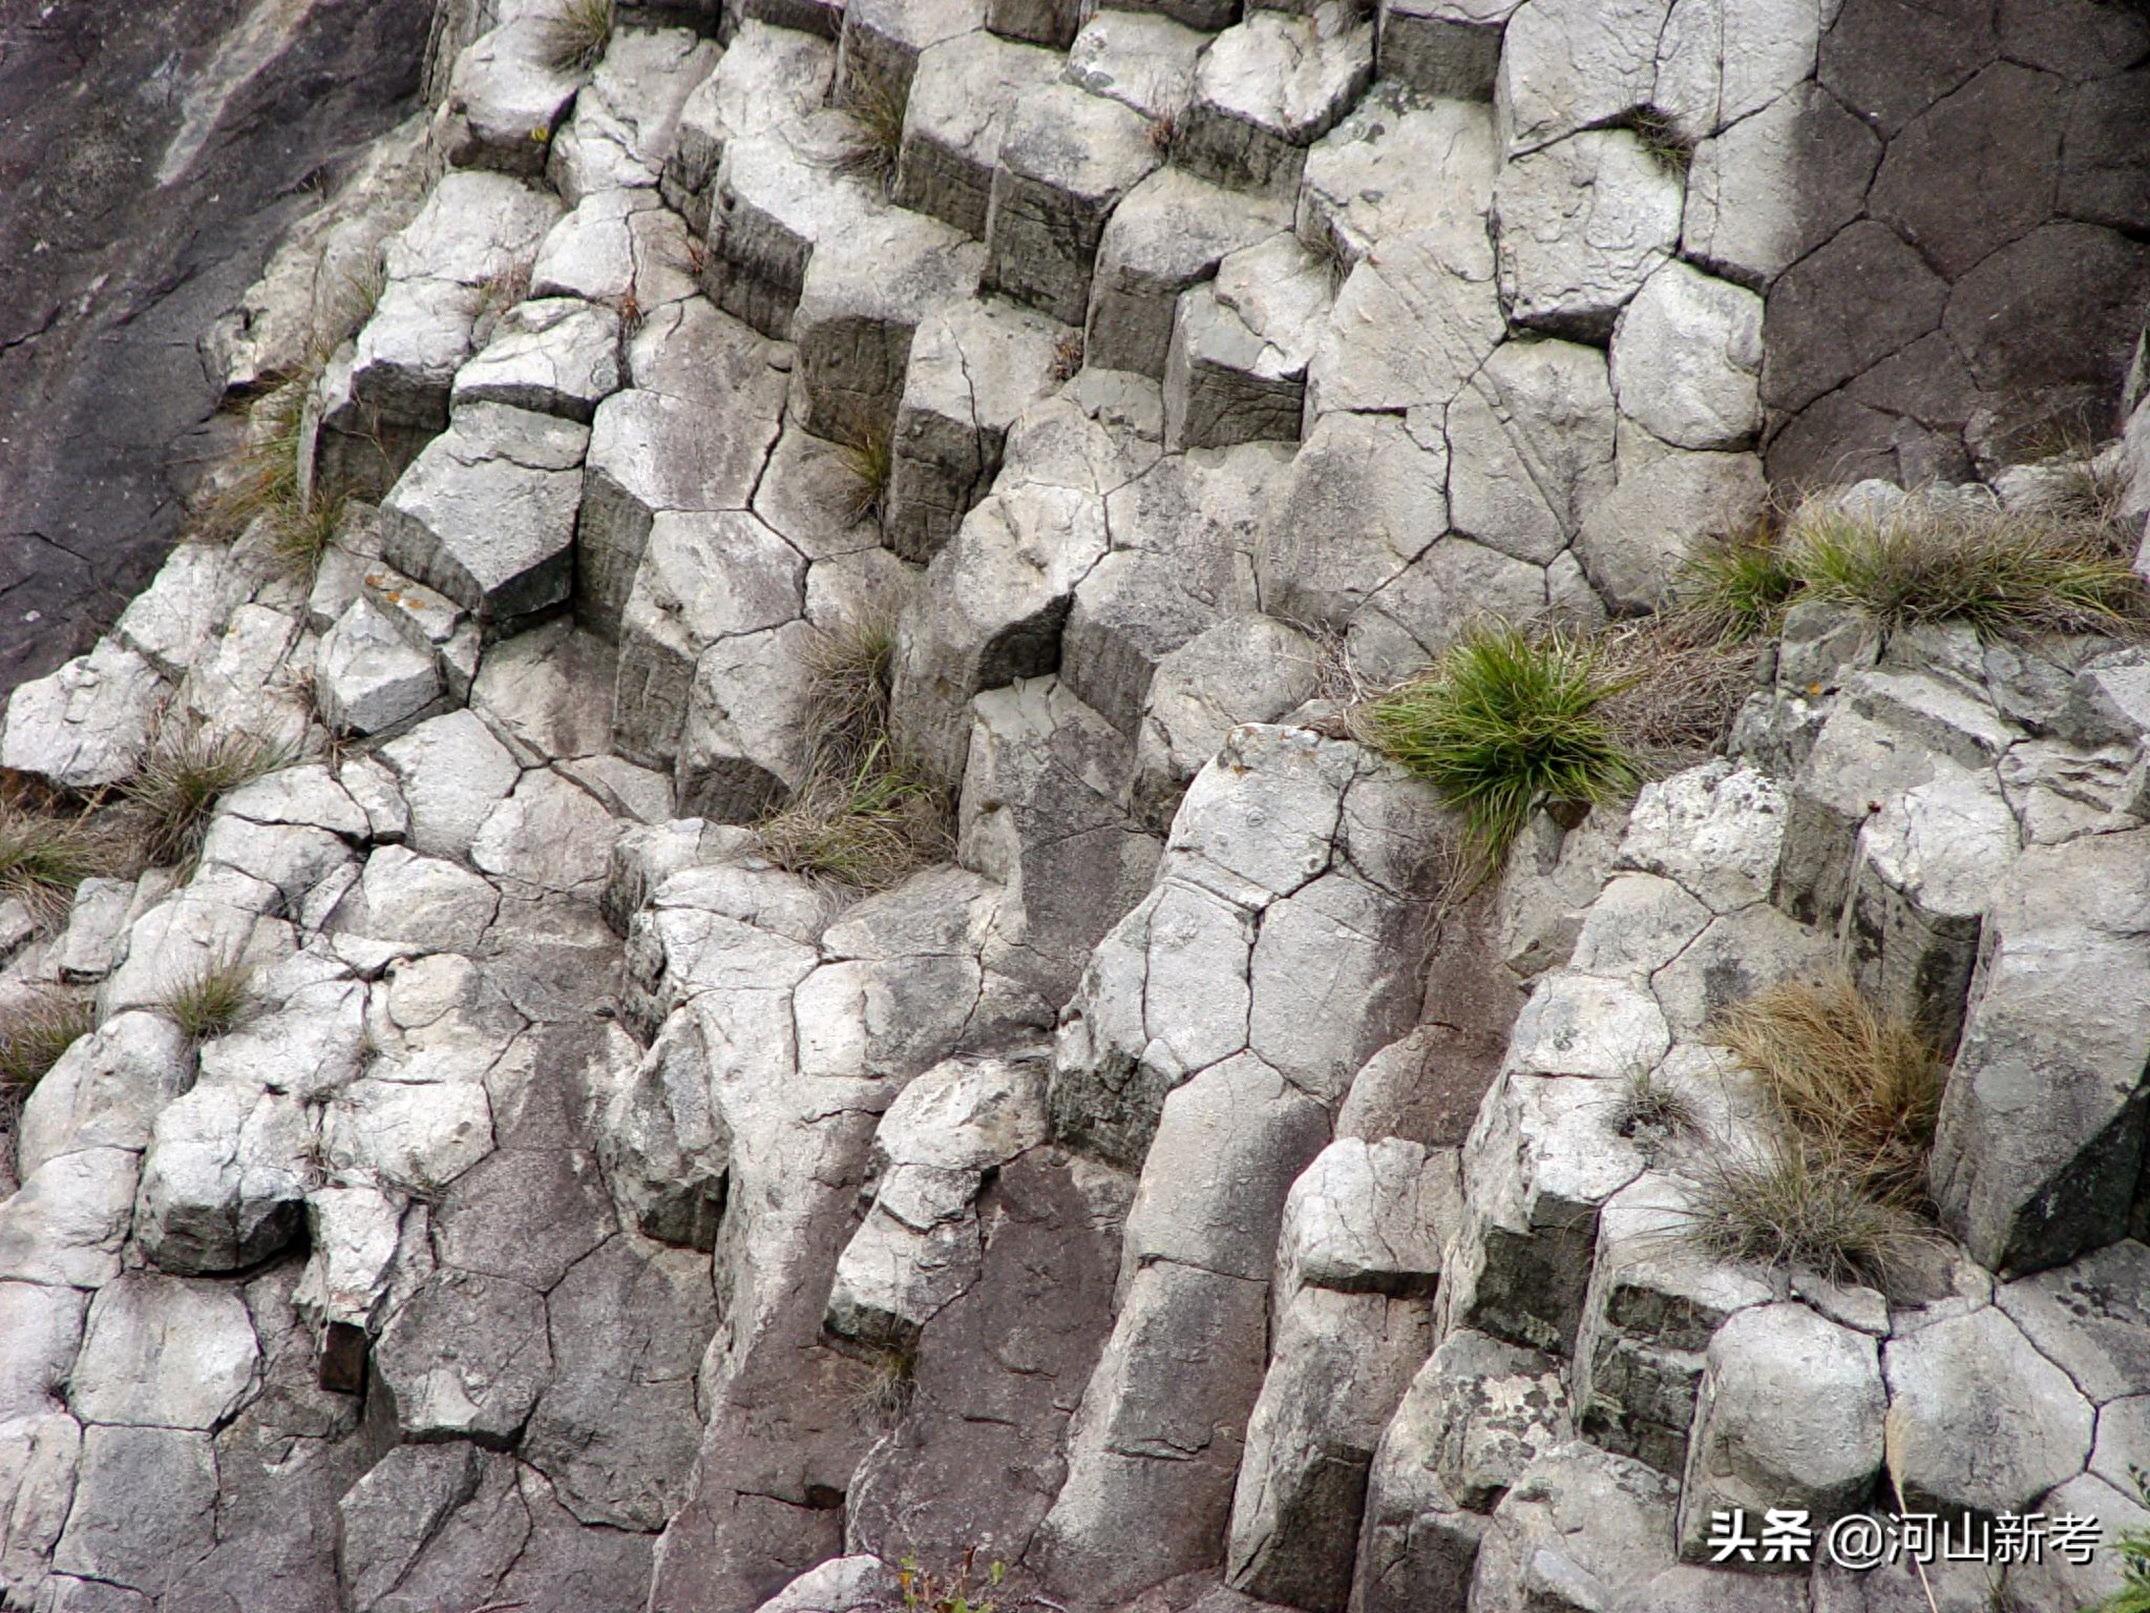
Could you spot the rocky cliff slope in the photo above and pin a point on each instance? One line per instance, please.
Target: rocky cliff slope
(1186, 1191)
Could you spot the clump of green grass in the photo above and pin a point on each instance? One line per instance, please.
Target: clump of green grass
(263, 478)
(1793, 1204)
(1862, 1085)
(1506, 721)
(1661, 136)
(877, 127)
(212, 1000)
(185, 772)
(1737, 586)
(576, 35)
(865, 815)
(870, 459)
(36, 1030)
(2132, 1546)
(43, 858)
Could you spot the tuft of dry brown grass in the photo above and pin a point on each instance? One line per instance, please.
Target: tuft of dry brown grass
(877, 134)
(1795, 1204)
(1675, 690)
(576, 35)
(865, 816)
(44, 857)
(186, 771)
(870, 458)
(1861, 1086)
(214, 999)
(37, 1029)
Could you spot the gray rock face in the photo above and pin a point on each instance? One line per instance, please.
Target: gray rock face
(1443, 47)
(2041, 1126)
(1582, 225)
(1245, 669)
(1980, 1419)
(1687, 352)
(162, 1353)
(1790, 1414)
(1635, 538)
(1065, 161)
(773, 200)
(557, 355)
(85, 725)
(2086, 1318)
(145, 1500)
(368, 677)
(224, 1180)
(1475, 1417)
(625, 118)
(487, 513)
(962, 94)
(1266, 89)
(1579, 1527)
(768, 76)
(506, 100)
(104, 1092)
(1236, 367)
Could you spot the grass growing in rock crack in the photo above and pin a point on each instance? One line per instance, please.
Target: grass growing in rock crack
(576, 35)
(1838, 1184)
(924, 1591)
(43, 858)
(263, 478)
(35, 1030)
(185, 772)
(877, 120)
(870, 459)
(1663, 139)
(1506, 721)
(2006, 573)
(2132, 1547)
(1862, 1085)
(865, 815)
(212, 1000)
(1648, 1111)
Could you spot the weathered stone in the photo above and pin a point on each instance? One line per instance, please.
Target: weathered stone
(1716, 67)
(1341, 1363)
(551, 837)
(1978, 1418)
(2041, 1130)
(625, 117)
(961, 96)
(466, 1357)
(618, 248)
(1790, 1415)
(1739, 955)
(1236, 368)
(1580, 1527)
(168, 622)
(693, 434)
(161, 1353)
(1443, 47)
(1477, 1414)
(840, 1585)
(44, 1332)
(1639, 924)
(2059, 1582)
(1890, 298)
(1362, 500)
(452, 772)
(1244, 669)
(1141, 58)
(557, 355)
(354, 1232)
(1531, 447)
(858, 310)
(1567, 66)
(972, 370)
(1686, 354)
(767, 77)
(1066, 159)
(879, 48)
(1772, 187)
(774, 200)
(506, 100)
(1634, 539)
(1267, 88)
(87, 724)
(547, 694)
(425, 902)
(1717, 830)
(66, 1223)
(224, 1180)
(145, 1503)
(1418, 614)
(1040, 815)
(1412, 325)
(1581, 226)
(368, 677)
(1368, 1218)
(2088, 1319)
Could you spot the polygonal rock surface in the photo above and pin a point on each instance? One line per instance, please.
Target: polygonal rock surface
(1634, 539)
(1236, 369)
(1979, 1419)
(1269, 87)
(557, 355)
(145, 1499)
(1685, 360)
(368, 677)
(161, 1353)
(224, 1180)
(1581, 226)
(86, 724)
(1064, 163)
(1448, 48)
(487, 513)
(506, 99)
(1245, 669)
(1568, 65)
(1369, 1218)
(1580, 1526)
(104, 1092)
(774, 200)
(2089, 1318)
(962, 94)
(622, 129)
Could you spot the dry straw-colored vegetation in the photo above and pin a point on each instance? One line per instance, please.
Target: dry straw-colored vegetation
(877, 130)
(261, 483)
(869, 461)
(185, 772)
(44, 857)
(1838, 1186)
(36, 1029)
(576, 35)
(215, 998)
(865, 816)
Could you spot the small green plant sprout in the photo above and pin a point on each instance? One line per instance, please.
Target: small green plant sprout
(187, 770)
(36, 1029)
(576, 35)
(1507, 721)
(959, 1592)
(214, 999)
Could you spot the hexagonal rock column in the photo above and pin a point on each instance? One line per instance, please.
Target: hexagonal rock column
(1269, 88)
(1042, 22)
(776, 196)
(2042, 1133)
(1449, 48)
(1581, 226)
(973, 368)
(1170, 233)
(1066, 160)
(962, 95)
(858, 308)
(1357, 1262)
(557, 355)
(768, 78)
(1478, 1413)
(506, 99)
(487, 513)
(882, 41)
(1241, 343)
